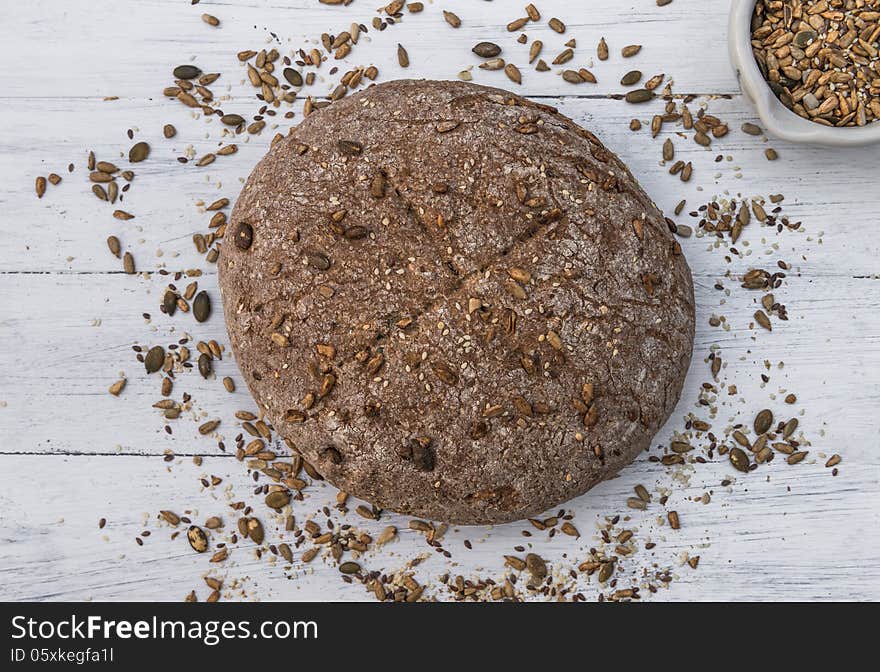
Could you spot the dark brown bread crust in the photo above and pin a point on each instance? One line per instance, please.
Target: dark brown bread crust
(455, 303)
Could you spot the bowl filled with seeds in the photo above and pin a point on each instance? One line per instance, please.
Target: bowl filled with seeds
(811, 67)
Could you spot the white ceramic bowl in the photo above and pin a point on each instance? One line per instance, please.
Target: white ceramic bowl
(778, 120)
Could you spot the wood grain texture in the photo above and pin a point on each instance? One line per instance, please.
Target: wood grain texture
(70, 453)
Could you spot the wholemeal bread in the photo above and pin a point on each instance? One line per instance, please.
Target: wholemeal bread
(455, 303)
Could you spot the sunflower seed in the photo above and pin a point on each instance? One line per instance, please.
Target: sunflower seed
(556, 25)
(113, 245)
(452, 19)
(513, 73)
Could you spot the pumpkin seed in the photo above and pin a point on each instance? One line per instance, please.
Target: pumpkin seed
(763, 421)
(739, 459)
(486, 49)
(155, 359)
(138, 152)
(318, 261)
(244, 236)
(255, 531)
(630, 78)
(186, 72)
(206, 365)
(536, 566)
(278, 499)
(350, 147)
(293, 77)
(202, 306)
(349, 567)
(639, 96)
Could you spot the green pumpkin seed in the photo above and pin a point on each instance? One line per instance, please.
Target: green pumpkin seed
(186, 72)
(536, 566)
(293, 77)
(169, 302)
(630, 78)
(739, 460)
(763, 421)
(206, 366)
(349, 567)
(155, 359)
(278, 499)
(139, 152)
(244, 236)
(639, 96)
(202, 307)
(319, 261)
(486, 50)
(255, 530)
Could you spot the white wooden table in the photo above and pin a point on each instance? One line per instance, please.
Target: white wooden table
(71, 454)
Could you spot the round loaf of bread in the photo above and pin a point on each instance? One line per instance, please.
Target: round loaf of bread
(455, 303)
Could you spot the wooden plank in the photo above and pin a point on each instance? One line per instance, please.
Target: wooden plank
(67, 337)
(802, 535)
(129, 49)
(834, 195)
